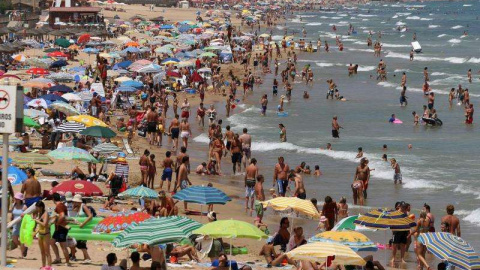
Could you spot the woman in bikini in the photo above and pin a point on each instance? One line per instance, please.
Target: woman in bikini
(423, 226)
(217, 151)
(342, 209)
(43, 229)
(151, 172)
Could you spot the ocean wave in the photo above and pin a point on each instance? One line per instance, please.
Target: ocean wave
(402, 70)
(438, 74)
(400, 23)
(297, 21)
(314, 24)
(473, 217)
(413, 18)
(366, 68)
(395, 16)
(335, 18)
(468, 190)
(202, 138)
(389, 45)
(426, 19)
(454, 41)
(453, 60)
(474, 60)
(366, 15)
(457, 27)
(441, 35)
(403, 13)
(360, 50)
(306, 16)
(467, 5)
(324, 64)
(433, 26)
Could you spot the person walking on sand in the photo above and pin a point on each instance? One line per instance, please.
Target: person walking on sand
(143, 162)
(174, 130)
(236, 151)
(167, 165)
(280, 174)
(41, 219)
(61, 231)
(251, 174)
(152, 118)
(31, 189)
(185, 131)
(183, 181)
(335, 127)
(452, 221)
(152, 171)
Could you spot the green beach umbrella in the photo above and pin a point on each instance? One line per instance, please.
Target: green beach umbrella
(32, 158)
(139, 192)
(99, 131)
(106, 148)
(231, 229)
(347, 224)
(72, 153)
(156, 231)
(64, 43)
(207, 54)
(29, 122)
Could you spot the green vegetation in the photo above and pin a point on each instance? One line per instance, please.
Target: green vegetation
(5, 5)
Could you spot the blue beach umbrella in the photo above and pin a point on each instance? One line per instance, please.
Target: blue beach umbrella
(139, 192)
(60, 88)
(202, 195)
(131, 50)
(451, 248)
(127, 89)
(91, 50)
(52, 97)
(135, 84)
(184, 28)
(58, 64)
(124, 64)
(166, 27)
(16, 176)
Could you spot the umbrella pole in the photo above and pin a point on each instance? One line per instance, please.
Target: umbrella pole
(385, 252)
(230, 264)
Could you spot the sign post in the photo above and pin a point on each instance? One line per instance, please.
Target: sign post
(9, 111)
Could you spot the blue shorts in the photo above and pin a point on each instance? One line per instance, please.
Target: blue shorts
(282, 186)
(167, 174)
(32, 201)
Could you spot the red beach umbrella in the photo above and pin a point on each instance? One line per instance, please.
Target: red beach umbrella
(196, 77)
(38, 71)
(9, 76)
(83, 39)
(57, 54)
(173, 74)
(83, 188)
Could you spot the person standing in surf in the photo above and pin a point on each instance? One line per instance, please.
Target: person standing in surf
(335, 128)
(360, 182)
(397, 177)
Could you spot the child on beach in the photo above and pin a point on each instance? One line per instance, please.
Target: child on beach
(398, 174)
(317, 171)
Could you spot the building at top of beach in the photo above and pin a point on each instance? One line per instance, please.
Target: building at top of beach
(61, 12)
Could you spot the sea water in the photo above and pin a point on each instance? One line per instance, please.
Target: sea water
(442, 167)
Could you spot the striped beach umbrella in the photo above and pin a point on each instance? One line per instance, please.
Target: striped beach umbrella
(305, 207)
(348, 224)
(106, 148)
(73, 127)
(72, 153)
(354, 240)
(87, 120)
(202, 195)
(319, 252)
(120, 221)
(384, 219)
(32, 158)
(162, 230)
(451, 248)
(99, 131)
(139, 192)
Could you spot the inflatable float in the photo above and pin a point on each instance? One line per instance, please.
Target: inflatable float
(432, 121)
(282, 114)
(416, 47)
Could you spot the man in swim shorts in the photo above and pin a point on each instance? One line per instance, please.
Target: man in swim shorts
(335, 128)
(280, 174)
(246, 141)
(397, 177)
(299, 191)
(264, 102)
(31, 189)
(185, 131)
(152, 118)
(251, 174)
(143, 162)
(174, 131)
(167, 170)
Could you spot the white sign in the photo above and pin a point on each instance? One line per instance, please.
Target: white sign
(8, 108)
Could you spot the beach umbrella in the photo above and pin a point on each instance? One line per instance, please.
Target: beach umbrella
(166, 27)
(152, 68)
(53, 98)
(29, 122)
(57, 54)
(71, 97)
(131, 50)
(19, 57)
(58, 64)
(64, 108)
(120, 221)
(72, 127)
(168, 61)
(62, 42)
(451, 248)
(173, 74)
(87, 120)
(90, 51)
(355, 240)
(32, 113)
(84, 188)
(132, 44)
(38, 71)
(71, 153)
(135, 84)
(123, 79)
(16, 176)
(32, 158)
(384, 219)
(107, 148)
(154, 231)
(99, 131)
(83, 38)
(348, 224)
(319, 252)
(38, 102)
(60, 88)
(9, 160)
(126, 89)
(207, 54)
(124, 64)
(165, 50)
(231, 229)
(139, 192)
(202, 195)
(305, 207)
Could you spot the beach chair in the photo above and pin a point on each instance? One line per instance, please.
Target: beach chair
(128, 149)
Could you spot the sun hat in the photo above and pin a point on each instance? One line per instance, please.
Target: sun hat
(77, 198)
(68, 196)
(18, 196)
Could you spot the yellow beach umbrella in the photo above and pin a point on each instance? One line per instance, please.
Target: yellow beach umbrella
(305, 207)
(319, 252)
(87, 120)
(354, 240)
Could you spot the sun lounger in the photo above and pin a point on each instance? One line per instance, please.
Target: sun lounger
(128, 148)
